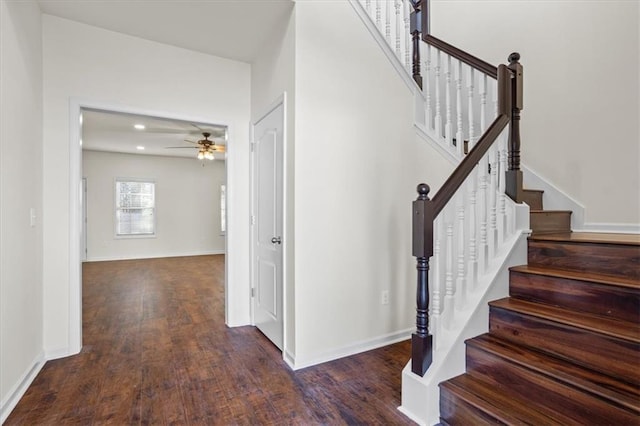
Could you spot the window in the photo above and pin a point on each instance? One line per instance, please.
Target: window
(135, 207)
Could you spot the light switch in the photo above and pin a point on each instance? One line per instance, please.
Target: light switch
(32, 216)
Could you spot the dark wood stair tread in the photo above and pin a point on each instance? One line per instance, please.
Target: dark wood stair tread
(578, 275)
(604, 386)
(595, 323)
(502, 405)
(590, 237)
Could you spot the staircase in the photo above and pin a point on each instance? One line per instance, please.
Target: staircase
(564, 348)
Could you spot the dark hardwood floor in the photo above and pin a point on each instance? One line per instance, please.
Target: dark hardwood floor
(156, 351)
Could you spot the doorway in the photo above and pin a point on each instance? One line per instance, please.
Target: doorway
(77, 203)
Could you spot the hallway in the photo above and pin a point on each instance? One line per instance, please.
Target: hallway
(157, 351)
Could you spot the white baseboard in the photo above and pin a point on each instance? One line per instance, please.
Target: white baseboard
(289, 359)
(348, 350)
(57, 353)
(610, 228)
(411, 415)
(19, 389)
(153, 256)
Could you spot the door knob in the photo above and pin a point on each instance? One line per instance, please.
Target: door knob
(276, 240)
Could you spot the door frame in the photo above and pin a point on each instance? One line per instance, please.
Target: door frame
(75, 202)
(280, 100)
(83, 240)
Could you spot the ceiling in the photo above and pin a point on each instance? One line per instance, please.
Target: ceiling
(231, 29)
(115, 132)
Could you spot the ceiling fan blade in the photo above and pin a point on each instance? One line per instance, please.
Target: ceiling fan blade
(180, 147)
(219, 148)
(187, 140)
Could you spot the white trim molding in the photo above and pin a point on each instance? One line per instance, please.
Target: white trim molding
(76, 105)
(21, 386)
(348, 350)
(155, 256)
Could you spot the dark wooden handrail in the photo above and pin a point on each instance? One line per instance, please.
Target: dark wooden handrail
(464, 169)
(461, 55)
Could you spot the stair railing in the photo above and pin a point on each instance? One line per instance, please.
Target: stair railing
(468, 104)
(476, 188)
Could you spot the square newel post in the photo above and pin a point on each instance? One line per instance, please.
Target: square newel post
(514, 175)
(421, 340)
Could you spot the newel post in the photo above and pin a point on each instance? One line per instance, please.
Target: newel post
(415, 24)
(514, 174)
(421, 340)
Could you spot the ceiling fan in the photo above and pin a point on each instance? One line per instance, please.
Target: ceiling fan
(206, 147)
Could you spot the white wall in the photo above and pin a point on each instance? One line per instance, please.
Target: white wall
(87, 63)
(581, 107)
(20, 190)
(357, 164)
(187, 205)
(272, 74)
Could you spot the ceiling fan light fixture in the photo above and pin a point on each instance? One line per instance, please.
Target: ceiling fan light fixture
(200, 155)
(209, 155)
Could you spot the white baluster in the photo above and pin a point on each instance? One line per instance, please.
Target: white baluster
(378, 15)
(449, 291)
(493, 188)
(483, 254)
(470, 88)
(447, 126)
(473, 247)
(367, 6)
(398, 5)
(427, 86)
(437, 278)
(461, 279)
(483, 103)
(503, 229)
(438, 117)
(407, 36)
(387, 22)
(459, 132)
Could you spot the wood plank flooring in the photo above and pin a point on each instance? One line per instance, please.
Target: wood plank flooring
(156, 351)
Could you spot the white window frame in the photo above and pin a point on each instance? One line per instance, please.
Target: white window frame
(116, 208)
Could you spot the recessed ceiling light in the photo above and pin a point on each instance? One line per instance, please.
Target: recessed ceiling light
(139, 126)
(140, 148)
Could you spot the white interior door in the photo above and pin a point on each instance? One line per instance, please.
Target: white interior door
(267, 225)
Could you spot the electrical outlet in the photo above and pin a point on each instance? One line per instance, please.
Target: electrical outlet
(384, 298)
